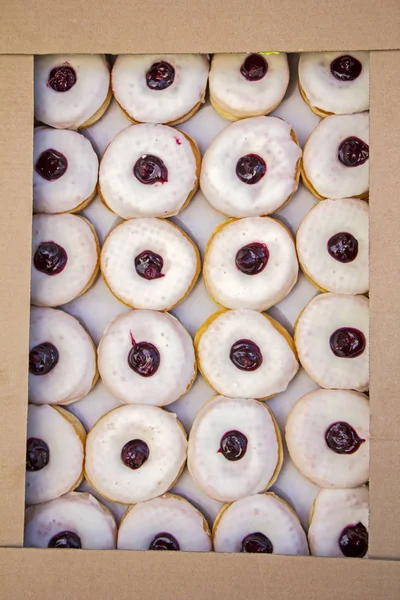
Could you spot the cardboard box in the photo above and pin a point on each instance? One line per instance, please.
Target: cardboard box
(129, 26)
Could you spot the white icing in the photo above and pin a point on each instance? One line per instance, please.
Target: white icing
(220, 478)
(326, 219)
(329, 94)
(242, 98)
(117, 510)
(78, 239)
(269, 138)
(79, 180)
(177, 367)
(333, 511)
(232, 288)
(305, 436)
(261, 513)
(159, 106)
(186, 487)
(64, 469)
(279, 364)
(180, 268)
(77, 512)
(93, 406)
(128, 197)
(167, 514)
(328, 176)
(322, 316)
(71, 109)
(73, 375)
(167, 445)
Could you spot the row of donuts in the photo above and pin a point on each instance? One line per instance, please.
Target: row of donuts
(251, 168)
(73, 91)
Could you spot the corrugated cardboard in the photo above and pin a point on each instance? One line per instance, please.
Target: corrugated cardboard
(181, 26)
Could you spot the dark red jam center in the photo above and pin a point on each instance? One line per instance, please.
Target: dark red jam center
(343, 247)
(134, 454)
(254, 67)
(342, 438)
(347, 342)
(150, 169)
(246, 355)
(149, 265)
(164, 541)
(65, 539)
(251, 168)
(346, 68)
(50, 258)
(252, 259)
(51, 165)
(233, 445)
(62, 79)
(160, 76)
(43, 358)
(353, 541)
(37, 454)
(257, 542)
(353, 152)
(143, 358)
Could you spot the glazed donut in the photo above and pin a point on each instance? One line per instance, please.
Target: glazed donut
(335, 158)
(65, 173)
(333, 246)
(147, 357)
(149, 171)
(235, 448)
(244, 353)
(166, 523)
(65, 258)
(76, 520)
(252, 167)
(335, 83)
(250, 263)
(135, 453)
(167, 88)
(62, 358)
(262, 523)
(339, 523)
(327, 434)
(54, 454)
(247, 85)
(149, 263)
(332, 340)
(71, 90)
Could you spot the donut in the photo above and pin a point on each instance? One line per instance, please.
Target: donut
(333, 246)
(235, 448)
(149, 263)
(71, 90)
(76, 520)
(160, 88)
(147, 357)
(339, 523)
(54, 453)
(332, 341)
(262, 523)
(250, 263)
(166, 523)
(62, 358)
(335, 158)
(135, 453)
(149, 170)
(327, 434)
(65, 258)
(252, 167)
(65, 172)
(244, 353)
(247, 85)
(335, 83)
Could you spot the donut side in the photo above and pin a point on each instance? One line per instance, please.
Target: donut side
(99, 112)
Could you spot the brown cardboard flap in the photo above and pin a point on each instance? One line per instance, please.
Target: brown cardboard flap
(133, 26)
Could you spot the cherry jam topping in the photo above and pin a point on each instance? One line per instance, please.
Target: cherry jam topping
(149, 265)
(51, 165)
(342, 438)
(353, 152)
(143, 358)
(347, 342)
(43, 358)
(160, 76)
(251, 168)
(252, 259)
(246, 355)
(65, 539)
(346, 68)
(37, 454)
(134, 454)
(353, 541)
(257, 542)
(62, 79)
(150, 169)
(233, 445)
(50, 258)
(343, 247)
(254, 67)
(164, 541)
